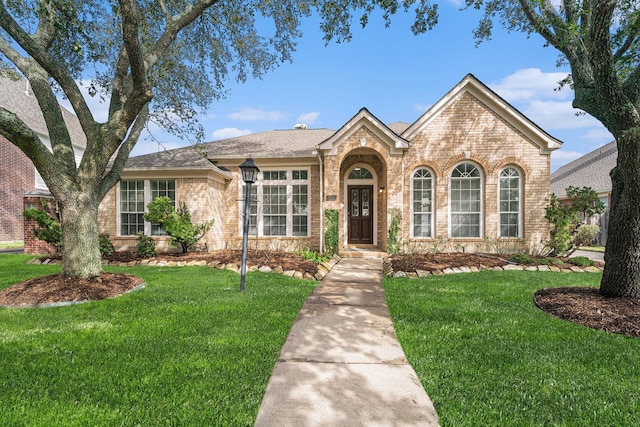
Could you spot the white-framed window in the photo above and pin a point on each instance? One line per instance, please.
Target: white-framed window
(134, 196)
(422, 203)
(510, 202)
(279, 203)
(465, 201)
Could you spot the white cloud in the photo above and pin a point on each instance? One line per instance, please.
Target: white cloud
(531, 83)
(456, 3)
(558, 115)
(421, 107)
(308, 118)
(601, 135)
(225, 133)
(254, 114)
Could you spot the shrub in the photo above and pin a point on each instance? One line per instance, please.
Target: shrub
(586, 234)
(331, 231)
(522, 259)
(314, 256)
(49, 226)
(176, 222)
(394, 241)
(146, 246)
(106, 247)
(581, 261)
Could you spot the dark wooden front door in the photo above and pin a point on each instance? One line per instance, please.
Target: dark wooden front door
(360, 214)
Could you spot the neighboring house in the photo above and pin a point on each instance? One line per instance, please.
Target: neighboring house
(471, 174)
(22, 185)
(591, 170)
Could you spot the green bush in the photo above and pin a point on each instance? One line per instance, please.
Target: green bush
(314, 256)
(522, 259)
(106, 247)
(586, 234)
(394, 241)
(581, 261)
(176, 222)
(331, 231)
(49, 226)
(146, 246)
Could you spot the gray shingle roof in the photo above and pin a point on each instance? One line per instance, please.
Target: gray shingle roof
(270, 144)
(17, 97)
(591, 170)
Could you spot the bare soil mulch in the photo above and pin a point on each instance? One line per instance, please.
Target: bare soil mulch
(584, 306)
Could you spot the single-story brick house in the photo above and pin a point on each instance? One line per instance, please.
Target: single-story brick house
(472, 173)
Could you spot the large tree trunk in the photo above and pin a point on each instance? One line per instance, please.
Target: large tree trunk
(80, 240)
(621, 276)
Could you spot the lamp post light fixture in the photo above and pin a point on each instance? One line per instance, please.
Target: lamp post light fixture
(249, 176)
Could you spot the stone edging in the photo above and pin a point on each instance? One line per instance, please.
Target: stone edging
(388, 271)
(323, 268)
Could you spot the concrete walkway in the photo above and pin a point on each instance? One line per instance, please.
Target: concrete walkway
(342, 364)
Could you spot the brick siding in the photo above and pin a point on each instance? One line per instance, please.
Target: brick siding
(17, 176)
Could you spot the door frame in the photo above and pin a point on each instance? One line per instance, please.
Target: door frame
(346, 202)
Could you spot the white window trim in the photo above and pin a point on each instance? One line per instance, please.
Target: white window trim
(257, 192)
(147, 199)
(482, 212)
(433, 202)
(520, 204)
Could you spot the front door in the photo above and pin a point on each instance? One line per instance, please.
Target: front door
(361, 214)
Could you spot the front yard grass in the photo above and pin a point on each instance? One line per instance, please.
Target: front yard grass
(486, 355)
(189, 349)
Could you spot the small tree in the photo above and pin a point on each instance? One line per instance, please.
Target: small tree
(49, 223)
(176, 222)
(567, 219)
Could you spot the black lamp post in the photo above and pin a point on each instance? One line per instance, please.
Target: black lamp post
(249, 176)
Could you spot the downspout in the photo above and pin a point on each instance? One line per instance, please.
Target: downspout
(321, 201)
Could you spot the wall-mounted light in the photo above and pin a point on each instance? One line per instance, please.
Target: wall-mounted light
(381, 189)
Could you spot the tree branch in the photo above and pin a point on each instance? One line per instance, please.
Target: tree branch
(539, 24)
(39, 54)
(113, 176)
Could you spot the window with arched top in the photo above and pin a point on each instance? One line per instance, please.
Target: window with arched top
(465, 201)
(360, 173)
(422, 203)
(510, 202)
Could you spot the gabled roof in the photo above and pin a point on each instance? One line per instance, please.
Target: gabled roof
(591, 170)
(365, 119)
(470, 84)
(17, 97)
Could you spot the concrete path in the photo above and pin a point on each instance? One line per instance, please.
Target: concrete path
(342, 364)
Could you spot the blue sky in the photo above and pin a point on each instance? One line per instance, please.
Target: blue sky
(398, 76)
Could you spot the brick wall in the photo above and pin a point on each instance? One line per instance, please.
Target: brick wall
(17, 176)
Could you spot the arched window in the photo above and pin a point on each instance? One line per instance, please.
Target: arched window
(422, 203)
(509, 203)
(466, 201)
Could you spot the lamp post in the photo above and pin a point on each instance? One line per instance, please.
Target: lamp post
(249, 176)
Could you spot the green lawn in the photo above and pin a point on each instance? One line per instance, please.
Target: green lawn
(488, 357)
(189, 349)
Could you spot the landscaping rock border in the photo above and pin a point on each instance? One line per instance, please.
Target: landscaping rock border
(323, 268)
(388, 270)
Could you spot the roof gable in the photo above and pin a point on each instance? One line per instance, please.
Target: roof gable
(470, 84)
(17, 97)
(365, 119)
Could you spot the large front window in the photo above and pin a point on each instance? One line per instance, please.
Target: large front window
(134, 196)
(509, 203)
(422, 203)
(280, 204)
(466, 201)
